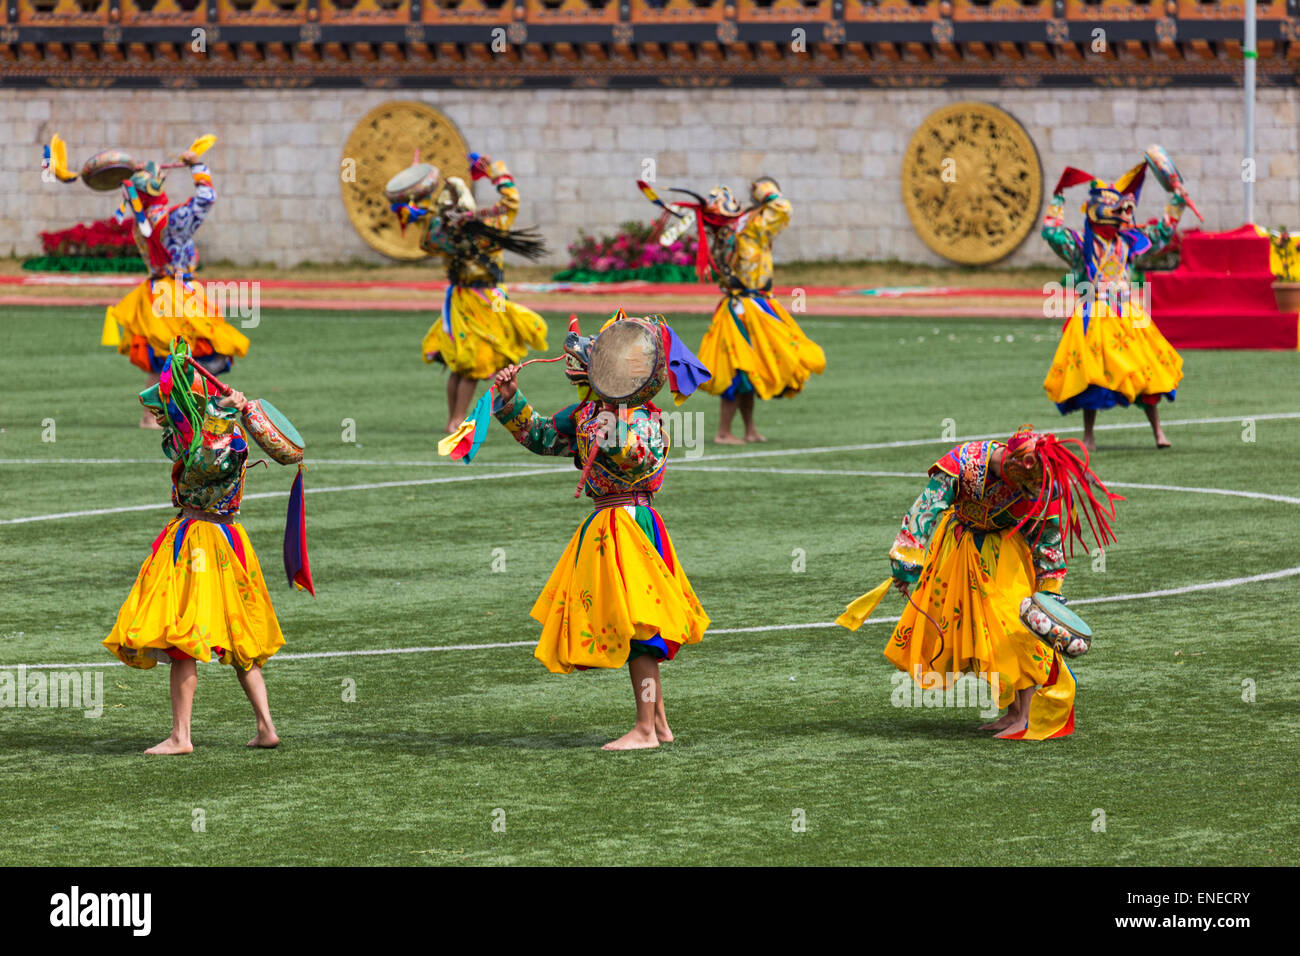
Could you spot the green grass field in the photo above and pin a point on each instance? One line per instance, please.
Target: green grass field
(769, 722)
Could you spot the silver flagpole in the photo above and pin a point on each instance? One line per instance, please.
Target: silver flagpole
(1249, 54)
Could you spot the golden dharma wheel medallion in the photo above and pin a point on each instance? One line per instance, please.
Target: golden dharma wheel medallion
(382, 145)
(972, 183)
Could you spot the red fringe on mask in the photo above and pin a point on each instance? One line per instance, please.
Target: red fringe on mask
(1067, 486)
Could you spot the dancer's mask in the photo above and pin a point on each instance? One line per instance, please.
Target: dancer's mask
(577, 353)
(721, 202)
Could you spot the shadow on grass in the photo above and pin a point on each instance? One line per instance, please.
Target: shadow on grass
(1149, 446)
(418, 743)
(897, 727)
(71, 744)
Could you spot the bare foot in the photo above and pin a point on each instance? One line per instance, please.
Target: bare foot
(148, 421)
(171, 745)
(265, 740)
(1089, 443)
(634, 740)
(1002, 723)
(663, 732)
(727, 440)
(1019, 727)
(751, 437)
(1162, 441)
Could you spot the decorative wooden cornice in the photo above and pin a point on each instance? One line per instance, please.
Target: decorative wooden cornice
(640, 43)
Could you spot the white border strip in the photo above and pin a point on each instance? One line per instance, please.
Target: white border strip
(369, 486)
(1166, 592)
(720, 456)
(689, 464)
(765, 628)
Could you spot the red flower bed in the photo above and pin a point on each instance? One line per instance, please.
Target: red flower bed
(629, 248)
(105, 239)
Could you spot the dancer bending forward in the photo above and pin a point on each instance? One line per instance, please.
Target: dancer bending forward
(983, 535)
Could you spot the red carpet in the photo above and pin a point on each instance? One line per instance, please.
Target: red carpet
(1221, 295)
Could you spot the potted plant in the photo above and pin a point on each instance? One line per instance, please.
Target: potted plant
(1286, 284)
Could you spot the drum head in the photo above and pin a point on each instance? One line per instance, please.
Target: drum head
(1162, 166)
(414, 182)
(1061, 614)
(628, 366)
(282, 424)
(108, 169)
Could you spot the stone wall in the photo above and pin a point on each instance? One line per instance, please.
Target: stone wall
(576, 154)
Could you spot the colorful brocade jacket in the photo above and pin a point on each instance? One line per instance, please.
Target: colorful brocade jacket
(469, 262)
(170, 250)
(1105, 257)
(745, 253)
(962, 482)
(632, 459)
(211, 479)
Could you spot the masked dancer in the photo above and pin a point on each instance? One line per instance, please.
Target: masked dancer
(480, 330)
(201, 591)
(754, 347)
(984, 534)
(1111, 352)
(619, 594)
(169, 303)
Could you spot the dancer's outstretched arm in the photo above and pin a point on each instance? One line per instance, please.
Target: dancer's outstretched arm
(541, 434)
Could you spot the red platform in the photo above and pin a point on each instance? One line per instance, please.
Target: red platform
(1221, 295)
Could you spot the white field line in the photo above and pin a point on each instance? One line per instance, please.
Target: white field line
(688, 463)
(688, 466)
(1260, 495)
(721, 456)
(310, 462)
(875, 446)
(1166, 592)
(386, 651)
(369, 486)
(726, 469)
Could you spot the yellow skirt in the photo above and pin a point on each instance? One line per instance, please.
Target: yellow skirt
(973, 589)
(484, 339)
(754, 337)
(200, 591)
(155, 316)
(617, 589)
(1120, 359)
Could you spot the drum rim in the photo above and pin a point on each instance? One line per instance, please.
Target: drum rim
(1038, 598)
(431, 171)
(121, 161)
(265, 408)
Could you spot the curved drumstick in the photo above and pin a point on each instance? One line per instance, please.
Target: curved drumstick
(1191, 205)
(922, 613)
(651, 195)
(531, 361)
(221, 387)
(591, 459)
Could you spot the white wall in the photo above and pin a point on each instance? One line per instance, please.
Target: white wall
(576, 155)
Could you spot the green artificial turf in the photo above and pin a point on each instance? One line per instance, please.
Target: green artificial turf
(771, 724)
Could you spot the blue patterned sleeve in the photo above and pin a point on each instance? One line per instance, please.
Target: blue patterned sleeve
(185, 219)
